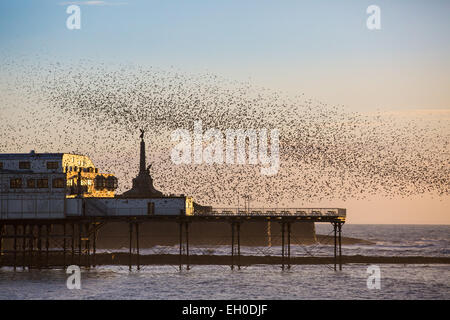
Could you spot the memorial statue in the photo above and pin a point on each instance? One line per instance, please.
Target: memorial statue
(143, 183)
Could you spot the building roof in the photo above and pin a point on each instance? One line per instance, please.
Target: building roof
(31, 155)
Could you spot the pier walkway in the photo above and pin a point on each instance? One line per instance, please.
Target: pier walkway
(77, 235)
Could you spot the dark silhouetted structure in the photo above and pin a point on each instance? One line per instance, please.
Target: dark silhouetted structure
(143, 183)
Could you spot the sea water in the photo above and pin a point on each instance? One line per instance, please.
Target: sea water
(411, 281)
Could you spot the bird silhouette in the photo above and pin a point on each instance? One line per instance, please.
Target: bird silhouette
(326, 151)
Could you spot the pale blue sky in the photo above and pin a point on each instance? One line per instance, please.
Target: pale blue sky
(321, 48)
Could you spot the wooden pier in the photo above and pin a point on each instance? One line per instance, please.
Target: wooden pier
(75, 237)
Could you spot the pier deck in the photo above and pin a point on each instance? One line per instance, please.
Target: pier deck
(77, 243)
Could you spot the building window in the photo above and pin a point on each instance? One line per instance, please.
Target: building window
(15, 183)
(42, 183)
(111, 183)
(58, 183)
(24, 165)
(31, 183)
(151, 208)
(52, 165)
(99, 182)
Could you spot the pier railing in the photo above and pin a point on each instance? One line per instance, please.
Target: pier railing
(276, 212)
(58, 208)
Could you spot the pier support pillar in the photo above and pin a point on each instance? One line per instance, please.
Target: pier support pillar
(282, 245)
(335, 245)
(30, 246)
(289, 244)
(187, 245)
(238, 229)
(72, 240)
(1, 244)
(87, 246)
(232, 245)
(181, 245)
(235, 234)
(39, 247)
(340, 245)
(64, 245)
(15, 247)
(137, 246)
(24, 245)
(80, 230)
(131, 245)
(186, 228)
(94, 245)
(47, 244)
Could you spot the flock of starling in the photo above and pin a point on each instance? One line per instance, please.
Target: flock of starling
(326, 151)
